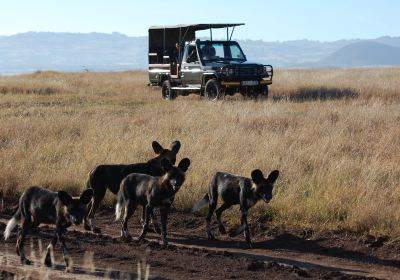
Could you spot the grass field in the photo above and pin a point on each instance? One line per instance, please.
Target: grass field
(333, 134)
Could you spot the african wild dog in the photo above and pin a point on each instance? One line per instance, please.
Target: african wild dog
(38, 205)
(110, 176)
(233, 190)
(149, 191)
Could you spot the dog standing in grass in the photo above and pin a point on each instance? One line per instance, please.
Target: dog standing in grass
(109, 177)
(149, 191)
(233, 190)
(38, 205)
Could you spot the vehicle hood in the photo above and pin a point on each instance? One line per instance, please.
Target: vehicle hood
(219, 64)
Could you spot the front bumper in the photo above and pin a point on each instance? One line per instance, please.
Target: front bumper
(246, 83)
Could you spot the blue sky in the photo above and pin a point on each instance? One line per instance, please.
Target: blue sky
(277, 20)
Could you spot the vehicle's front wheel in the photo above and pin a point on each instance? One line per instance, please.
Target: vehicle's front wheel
(166, 92)
(213, 90)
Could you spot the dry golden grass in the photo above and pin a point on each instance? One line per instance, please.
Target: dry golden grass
(339, 158)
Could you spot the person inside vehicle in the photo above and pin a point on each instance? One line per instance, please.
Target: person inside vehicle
(208, 51)
(192, 57)
(175, 58)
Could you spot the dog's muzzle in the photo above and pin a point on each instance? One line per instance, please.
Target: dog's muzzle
(267, 199)
(76, 221)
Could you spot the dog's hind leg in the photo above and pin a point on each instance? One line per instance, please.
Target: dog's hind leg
(211, 209)
(21, 239)
(218, 213)
(130, 208)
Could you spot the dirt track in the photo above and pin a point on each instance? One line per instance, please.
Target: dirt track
(277, 255)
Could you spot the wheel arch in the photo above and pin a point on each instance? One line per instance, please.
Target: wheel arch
(162, 78)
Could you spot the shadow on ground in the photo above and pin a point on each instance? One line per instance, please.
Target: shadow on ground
(319, 93)
(291, 242)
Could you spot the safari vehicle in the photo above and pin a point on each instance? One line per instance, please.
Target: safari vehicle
(181, 65)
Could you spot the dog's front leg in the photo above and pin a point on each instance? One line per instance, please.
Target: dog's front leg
(49, 251)
(245, 226)
(66, 256)
(243, 215)
(164, 214)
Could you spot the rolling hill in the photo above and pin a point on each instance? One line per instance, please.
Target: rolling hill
(31, 51)
(367, 53)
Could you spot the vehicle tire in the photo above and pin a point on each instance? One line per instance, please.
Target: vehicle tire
(166, 92)
(213, 90)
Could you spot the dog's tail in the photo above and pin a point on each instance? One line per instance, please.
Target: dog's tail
(120, 205)
(12, 223)
(202, 203)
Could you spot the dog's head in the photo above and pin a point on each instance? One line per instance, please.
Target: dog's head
(175, 175)
(169, 154)
(264, 186)
(76, 207)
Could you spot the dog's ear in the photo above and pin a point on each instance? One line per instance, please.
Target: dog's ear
(86, 196)
(157, 147)
(175, 146)
(257, 176)
(166, 165)
(65, 198)
(184, 164)
(273, 176)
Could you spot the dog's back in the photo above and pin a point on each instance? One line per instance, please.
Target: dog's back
(110, 175)
(136, 187)
(36, 204)
(227, 186)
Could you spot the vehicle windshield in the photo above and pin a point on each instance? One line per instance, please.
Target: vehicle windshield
(214, 51)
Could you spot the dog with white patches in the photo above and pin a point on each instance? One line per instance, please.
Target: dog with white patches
(37, 206)
(149, 191)
(235, 190)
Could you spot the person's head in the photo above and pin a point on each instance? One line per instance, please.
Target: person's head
(177, 46)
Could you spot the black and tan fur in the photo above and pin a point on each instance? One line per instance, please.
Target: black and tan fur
(150, 191)
(38, 205)
(233, 190)
(109, 177)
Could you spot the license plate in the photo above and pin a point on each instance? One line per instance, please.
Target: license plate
(249, 83)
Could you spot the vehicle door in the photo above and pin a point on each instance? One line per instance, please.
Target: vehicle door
(191, 72)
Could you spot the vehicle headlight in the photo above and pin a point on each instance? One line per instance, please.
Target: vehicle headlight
(227, 71)
(264, 70)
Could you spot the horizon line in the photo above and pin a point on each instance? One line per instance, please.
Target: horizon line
(243, 39)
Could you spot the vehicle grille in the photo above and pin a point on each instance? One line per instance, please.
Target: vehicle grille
(248, 70)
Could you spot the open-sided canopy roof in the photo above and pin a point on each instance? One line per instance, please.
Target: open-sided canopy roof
(162, 38)
(196, 27)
